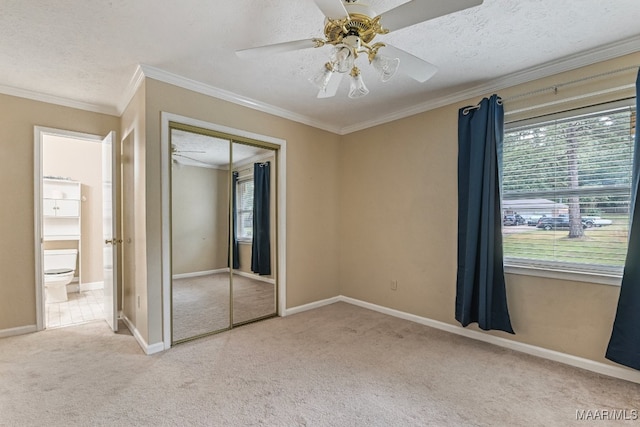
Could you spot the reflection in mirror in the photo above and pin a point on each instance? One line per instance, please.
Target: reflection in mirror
(200, 234)
(253, 241)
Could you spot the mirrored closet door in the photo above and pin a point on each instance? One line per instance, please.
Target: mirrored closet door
(223, 194)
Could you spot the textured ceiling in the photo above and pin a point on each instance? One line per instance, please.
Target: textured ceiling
(89, 50)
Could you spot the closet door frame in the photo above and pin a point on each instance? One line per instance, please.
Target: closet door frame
(238, 135)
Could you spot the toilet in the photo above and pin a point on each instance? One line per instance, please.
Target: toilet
(59, 269)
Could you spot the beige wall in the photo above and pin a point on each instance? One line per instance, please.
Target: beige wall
(81, 161)
(362, 210)
(200, 218)
(17, 259)
(398, 204)
(312, 193)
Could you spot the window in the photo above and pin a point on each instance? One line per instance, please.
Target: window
(244, 220)
(566, 189)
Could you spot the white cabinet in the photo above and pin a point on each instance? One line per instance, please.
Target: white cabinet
(61, 209)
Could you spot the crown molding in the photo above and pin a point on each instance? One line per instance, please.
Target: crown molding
(568, 63)
(193, 85)
(134, 84)
(58, 100)
(572, 62)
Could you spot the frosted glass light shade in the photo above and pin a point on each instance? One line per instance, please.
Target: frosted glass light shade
(385, 66)
(321, 80)
(342, 58)
(357, 88)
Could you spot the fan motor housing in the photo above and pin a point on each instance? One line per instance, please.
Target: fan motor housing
(359, 22)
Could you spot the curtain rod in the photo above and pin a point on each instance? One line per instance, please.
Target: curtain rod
(554, 88)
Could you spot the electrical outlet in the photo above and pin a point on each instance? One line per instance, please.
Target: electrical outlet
(138, 301)
(394, 285)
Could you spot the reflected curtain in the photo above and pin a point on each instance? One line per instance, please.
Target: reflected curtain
(234, 218)
(261, 246)
(624, 344)
(480, 284)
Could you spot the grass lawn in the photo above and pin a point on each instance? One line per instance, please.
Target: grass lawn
(606, 245)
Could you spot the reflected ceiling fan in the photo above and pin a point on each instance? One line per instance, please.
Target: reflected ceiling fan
(350, 27)
(177, 152)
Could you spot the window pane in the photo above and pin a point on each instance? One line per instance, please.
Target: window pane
(245, 209)
(566, 190)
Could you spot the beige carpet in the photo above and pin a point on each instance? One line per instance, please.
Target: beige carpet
(339, 365)
(201, 304)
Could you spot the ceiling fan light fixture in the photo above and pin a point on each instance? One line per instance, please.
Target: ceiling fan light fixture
(321, 80)
(385, 66)
(357, 88)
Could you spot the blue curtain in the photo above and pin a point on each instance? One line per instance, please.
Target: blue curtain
(480, 285)
(261, 246)
(624, 344)
(234, 217)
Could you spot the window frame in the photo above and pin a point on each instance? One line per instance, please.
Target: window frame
(578, 272)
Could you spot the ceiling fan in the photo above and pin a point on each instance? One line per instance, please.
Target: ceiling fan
(177, 153)
(350, 27)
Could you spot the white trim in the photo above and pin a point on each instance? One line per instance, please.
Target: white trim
(281, 159)
(568, 359)
(148, 349)
(38, 135)
(254, 277)
(20, 330)
(134, 84)
(575, 276)
(58, 100)
(568, 63)
(313, 305)
(205, 89)
(571, 62)
(200, 273)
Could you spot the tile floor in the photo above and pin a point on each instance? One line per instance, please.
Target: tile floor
(81, 307)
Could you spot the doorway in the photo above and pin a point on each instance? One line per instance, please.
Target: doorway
(224, 244)
(73, 194)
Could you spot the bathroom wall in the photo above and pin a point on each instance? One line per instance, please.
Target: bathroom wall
(80, 160)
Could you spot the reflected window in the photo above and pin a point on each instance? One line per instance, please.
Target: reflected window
(244, 220)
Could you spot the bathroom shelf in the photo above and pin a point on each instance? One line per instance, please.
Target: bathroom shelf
(61, 209)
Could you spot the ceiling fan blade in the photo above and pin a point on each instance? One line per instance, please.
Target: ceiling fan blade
(332, 9)
(332, 87)
(416, 68)
(263, 51)
(417, 11)
(191, 159)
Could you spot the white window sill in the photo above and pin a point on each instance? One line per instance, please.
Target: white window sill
(590, 277)
(245, 241)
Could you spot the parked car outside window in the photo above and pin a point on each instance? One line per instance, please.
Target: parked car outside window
(513, 220)
(555, 222)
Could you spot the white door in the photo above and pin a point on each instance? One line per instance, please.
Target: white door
(108, 226)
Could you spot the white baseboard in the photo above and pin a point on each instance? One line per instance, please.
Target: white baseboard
(254, 276)
(148, 349)
(200, 273)
(20, 330)
(568, 359)
(312, 305)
